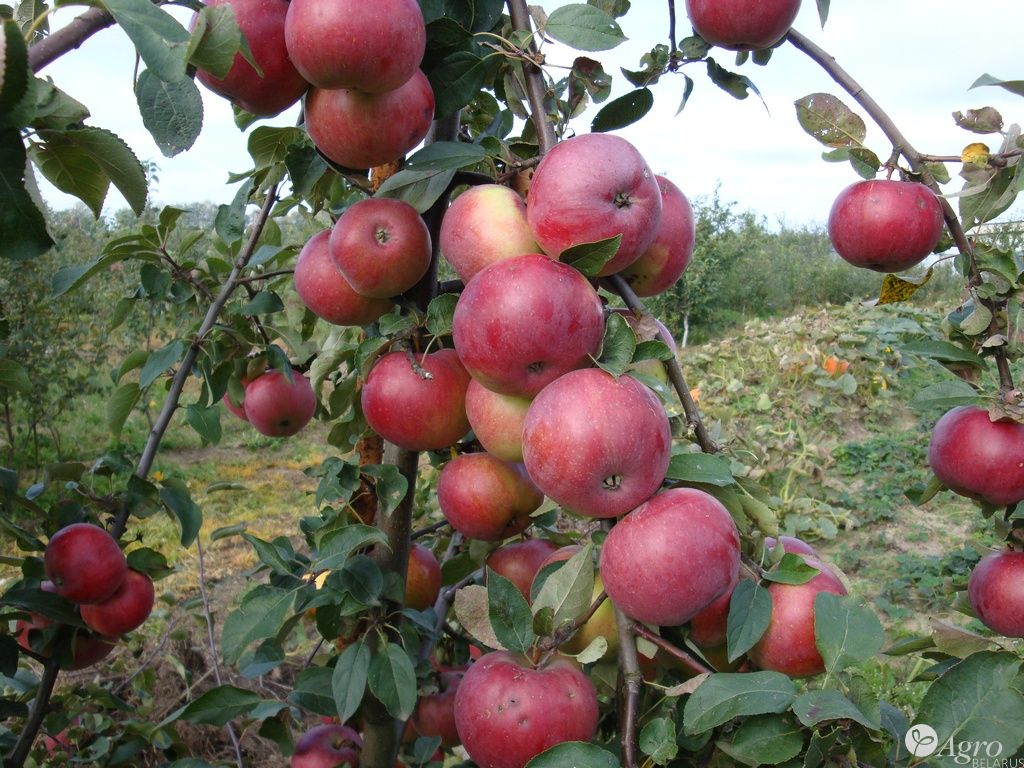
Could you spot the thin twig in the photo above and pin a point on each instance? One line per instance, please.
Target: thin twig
(688, 661)
(427, 530)
(673, 48)
(39, 706)
(149, 658)
(536, 89)
(265, 276)
(995, 159)
(313, 653)
(563, 634)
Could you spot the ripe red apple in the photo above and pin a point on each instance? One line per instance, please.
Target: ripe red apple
(421, 408)
(788, 645)
(484, 225)
(363, 130)
(325, 290)
(671, 557)
(665, 260)
(595, 444)
(507, 712)
(327, 746)
(435, 713)
(977, 457)
(996, 592)
(126, 609)
(423, 580)
(373, 47)
(87, 648)
(520, 562)
(601, 624)
(497, 421)
(277, 407)
(281, 85)
(523, 322)
(742, 24)
(592, 187)
(486, 498)
(381, 247)
(84, 563)
(790, 545)
(885, 225)
(708, 629)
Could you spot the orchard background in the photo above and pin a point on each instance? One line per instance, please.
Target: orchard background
(803, 398)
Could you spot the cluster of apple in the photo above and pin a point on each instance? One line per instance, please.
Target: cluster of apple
(84, 565)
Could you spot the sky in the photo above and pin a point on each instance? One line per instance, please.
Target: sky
(918, 59)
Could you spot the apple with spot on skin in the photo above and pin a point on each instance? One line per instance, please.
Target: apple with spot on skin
(484, 225)
(326, 292)
(996, 592)
(126, 609)
(977, 457)
(507, 711)
(84, 563)
(373, 47)
(520, 562)
(421, 407)
(788, 645)
(497, 421)
(381, 247)
(485, 498)
(435, 713)
(592, 187)
(885, 225)
(742, 25)
(668, 559)
(597, 445)
(423, 579)
(327, 746)
(708, 628)
(523, 322)
(281, 85)
(601, 624)
(363, 130)
(665, 260)
(277, 407)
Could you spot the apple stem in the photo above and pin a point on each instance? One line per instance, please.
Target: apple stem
(35, 720)
(536, 89)
(689, 661)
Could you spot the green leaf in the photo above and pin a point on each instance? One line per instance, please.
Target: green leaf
(764, 740)
(175, 496)
(263, 303)
(420, 189)
(73, 170)
(623, 111)
(1013, 86)
(389, 483)
(205, 421)
(943, 351)
(509, 613)
(215, 39)
(13, 376)
(726, 695)
(590, 258)
(260, 615)
(268, 554)
(735, 85)
(14, 70)
(618, 346)
(570, 754)
(160, 40)
(830, 121)
(750, 612)
(269, 145)
(584, 27)
(338, 545)
(568, 592)
(23, 234)
(172, 111)
(945, 394)
(120, 406)
(440, 314)
(847, 634)
(149, 562)
(792, 569)
(658, 739)
(230, 219)
(349, 679)
(218, 706)
(446, 155)
(472, 609)
(704, 468)
(160, 361)
(312, 691)
(823, 7)
(392, 680)
(816, 707)
(112, 155)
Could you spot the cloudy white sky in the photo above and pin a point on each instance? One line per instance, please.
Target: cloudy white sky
(918, 59)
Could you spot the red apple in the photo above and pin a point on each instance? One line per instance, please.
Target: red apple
(520, 562)
(281, 85)
(595, 444)
(370, 46)
(996, 592)
(665, 260)
(435, 713)
(790, 545)
(592, 187)
(381, 247)
(671, 557)
(423, 580)
(507, 712)
(497, 421)
(419, 402)
(977, 457)
(484, 225)
(237, 410)
(708, 628)
(523, 322)
(87, 648)
(363, 130)
(788, 645)
(885, 225)
(84, 563)
(742, 24)
(126, 609)
(277, 407)
(486, 498)
(327, 746)
(326, 292)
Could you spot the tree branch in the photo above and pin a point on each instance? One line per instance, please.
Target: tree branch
(563, 634)
(630, 679)
(536, 89)
(35, 719)
(66, 39)
(689, 661)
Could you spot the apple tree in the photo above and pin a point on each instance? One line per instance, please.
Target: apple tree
(529, 549)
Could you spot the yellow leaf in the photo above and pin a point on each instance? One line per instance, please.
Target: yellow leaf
(896, 289)
(975, 153)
